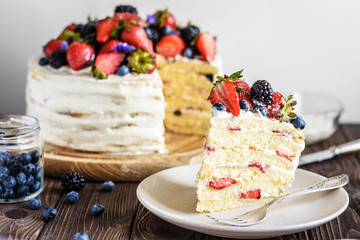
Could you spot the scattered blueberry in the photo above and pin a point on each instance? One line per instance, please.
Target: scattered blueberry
(123, 70)
(21, 178)
(188, 52)
(97, 209)
(81, 236)
(35, 186)
(49, 214)
(30, 180)
(261, 109)
(7, 193)
(44, 61)
(34, 203)
(298, 122)
(9, 182)
(34, 156)
(72, 197)
(29, 168)
(108, 186)
(244, 105)
(218, 107)
(22, 191)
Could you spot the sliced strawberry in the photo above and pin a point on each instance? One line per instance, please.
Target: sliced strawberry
(170, 46)
(137, 37)
(128, 17)
(207, 46)
(109, 46)
(222, 183)
(108, 63)
(259, 166)
(170, 21)
(209, 149)
(225, 93)
(251, 194)
(244, 93)
(79, 54)
(283, 155)
(104, 28)
(51, 46)
(275, 107)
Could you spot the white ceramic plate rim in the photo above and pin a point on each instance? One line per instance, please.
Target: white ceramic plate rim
(213, 228)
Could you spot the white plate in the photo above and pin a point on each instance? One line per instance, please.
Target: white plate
(170, 194)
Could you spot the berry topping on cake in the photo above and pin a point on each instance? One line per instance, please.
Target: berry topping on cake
(262, 93)
(53, 45)
(251, 194)
(170, 46)
(131, 18)
(136, 36)
(79, 54)
(222, 183)
(225, 93)
(125, 8)
(109, 46)
(107, 63)
(260, 109)
(141, 61)
(243, 89)
(244, 105)
(58, 58)
(123, 70)
(298, 122)
(218, 107)
(207, 46)
(152, 34)
(104, 29)
(189, 33)
(275, 107)
(165, 18)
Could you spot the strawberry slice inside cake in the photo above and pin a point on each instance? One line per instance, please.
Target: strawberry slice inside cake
(249, 157)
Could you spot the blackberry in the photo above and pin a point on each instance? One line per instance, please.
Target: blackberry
(152, 34)
(126, 8)
(72, 181)
(262, 93)
(87, 29)
(58, 58)
(189, 33)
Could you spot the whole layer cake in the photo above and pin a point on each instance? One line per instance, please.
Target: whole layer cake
(96, 86)
(252, 147)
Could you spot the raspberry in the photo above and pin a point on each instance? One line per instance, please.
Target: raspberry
(262, 93)
(275, 107)
(73, 181)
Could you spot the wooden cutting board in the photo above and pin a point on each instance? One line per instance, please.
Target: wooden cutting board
(102, 167)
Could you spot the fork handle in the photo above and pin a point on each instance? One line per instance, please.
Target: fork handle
(327, 184)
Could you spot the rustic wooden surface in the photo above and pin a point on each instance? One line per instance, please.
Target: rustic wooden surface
(126, 218)
(100, 167)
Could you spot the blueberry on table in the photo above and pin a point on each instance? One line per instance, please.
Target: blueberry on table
(72, 197)
(34, 203)
(108, 186)
(81, 236)
(97, 209)
(49, 214)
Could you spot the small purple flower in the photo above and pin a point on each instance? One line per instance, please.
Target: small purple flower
(124, 47)
(64, 45)
(151, 19)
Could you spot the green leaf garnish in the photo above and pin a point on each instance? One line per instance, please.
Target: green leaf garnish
(287, 111)
(70, 36)
(236, 75)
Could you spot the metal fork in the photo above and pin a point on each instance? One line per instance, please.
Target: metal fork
(257, 215)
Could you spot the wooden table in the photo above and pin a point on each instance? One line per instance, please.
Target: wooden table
(126, 218)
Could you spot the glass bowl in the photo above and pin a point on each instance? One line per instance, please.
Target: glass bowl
(321, 114)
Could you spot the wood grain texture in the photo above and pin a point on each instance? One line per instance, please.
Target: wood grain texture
(126, 218)
(100, 167)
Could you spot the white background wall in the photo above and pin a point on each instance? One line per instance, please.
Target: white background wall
(308, 45)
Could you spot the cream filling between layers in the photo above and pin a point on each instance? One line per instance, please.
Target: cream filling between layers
(78, 111)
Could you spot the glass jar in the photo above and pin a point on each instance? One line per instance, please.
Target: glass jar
(21, 163)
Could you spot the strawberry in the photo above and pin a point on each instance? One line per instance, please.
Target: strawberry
(283, 155)
(51, 46)
(70, 27)
(170, 46)
(225, 93)
(275, 107)
(170, 21)
(259, 166)
(251, 194)
(108, 63)
(137, 37)
(130, 17)
(244, 93)
(222, 183)
(109, 46)
(79, 54)
(207, 46)
(104, 28)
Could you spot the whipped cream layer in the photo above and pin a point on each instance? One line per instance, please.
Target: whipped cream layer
(119, 114)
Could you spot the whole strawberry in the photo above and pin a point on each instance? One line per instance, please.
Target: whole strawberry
(165, 18)
(130, 17)
(275, 107)
(104, 28)
(54, 45)
(79, 54)
(137, 37)
(170, 46)
(207, 46)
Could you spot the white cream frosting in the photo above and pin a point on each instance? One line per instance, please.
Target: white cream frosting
(118, 114)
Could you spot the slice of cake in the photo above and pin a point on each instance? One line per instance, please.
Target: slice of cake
(187, 62)
(96, 87)
(252, 147)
